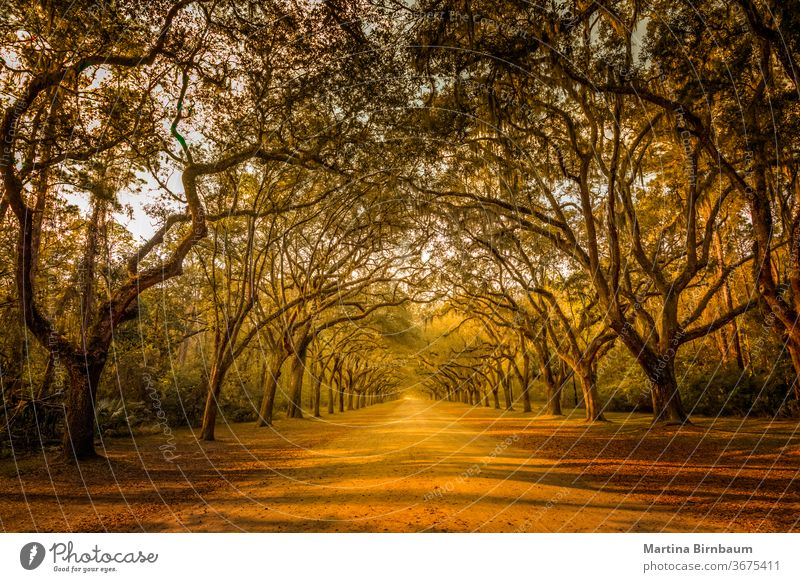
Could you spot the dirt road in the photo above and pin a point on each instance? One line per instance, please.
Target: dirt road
(414, 466)
(411, 465)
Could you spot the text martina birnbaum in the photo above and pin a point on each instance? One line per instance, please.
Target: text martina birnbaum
(696, 549)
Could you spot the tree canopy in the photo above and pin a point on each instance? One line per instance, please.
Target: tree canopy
(253, 207)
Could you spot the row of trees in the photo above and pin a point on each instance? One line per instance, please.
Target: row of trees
(579, 179)
(611, 186)
(226, 119)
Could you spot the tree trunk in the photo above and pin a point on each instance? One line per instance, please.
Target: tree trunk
(526, 382)
(735, 344)
(317, 393)
(660, 371)
(340, 388)
(270, 389)
(554, 386)
(49, 374)
(588, 383)
(507, 396)
(553, 390)
(84, 375)
(295, 409)
(664, 394)
(554, 399)
(212, 400)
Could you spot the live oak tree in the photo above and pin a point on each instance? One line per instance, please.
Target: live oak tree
(63, 58)
(744, 117)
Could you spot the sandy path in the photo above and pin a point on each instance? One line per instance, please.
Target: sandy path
(415, 465)
(412, 465)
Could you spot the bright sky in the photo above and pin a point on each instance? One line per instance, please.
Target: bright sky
(139, 223)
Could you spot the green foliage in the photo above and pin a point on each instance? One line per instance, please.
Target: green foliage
(182, 397)
(708, 387)
(240, 399)
(729, 391)
(622, 385)
(116, 417)
(28, 425)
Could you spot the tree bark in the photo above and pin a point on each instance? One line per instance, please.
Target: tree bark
(660, 371)
(526, 380)
(735, 343)
(49, 374)
(212, 399)
(507, 396)
(553, 390)
(84, 375)
(295, 409)
(554, 399)
(664, 393)
(317, 393)
(330, 394)
(270, 389)
(340, 390)
(588, 382)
